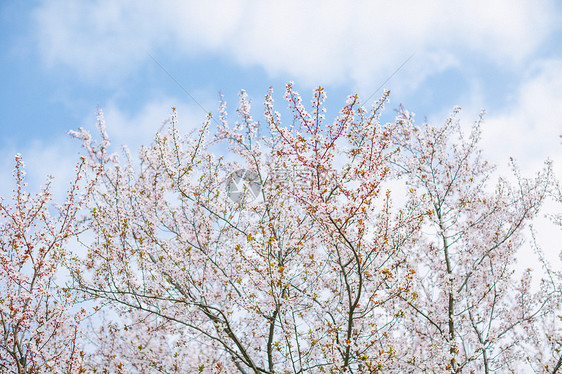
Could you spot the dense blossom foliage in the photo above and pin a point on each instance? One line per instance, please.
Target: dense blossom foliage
(295, 281)
(38, 324)
(323, 271)
(470, 313)
(343, 246)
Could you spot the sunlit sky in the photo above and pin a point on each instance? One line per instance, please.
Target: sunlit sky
(60, 60)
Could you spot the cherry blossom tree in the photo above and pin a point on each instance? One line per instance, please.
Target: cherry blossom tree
(470, 312)
(256, 247)
(39, 326)
(295, 281)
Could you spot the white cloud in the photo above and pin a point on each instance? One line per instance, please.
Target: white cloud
(88, 36)
(529, 128)
(314, 41)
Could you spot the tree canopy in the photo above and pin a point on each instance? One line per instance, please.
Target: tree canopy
(294, 245)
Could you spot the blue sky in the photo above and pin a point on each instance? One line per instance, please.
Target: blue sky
(62, 59)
